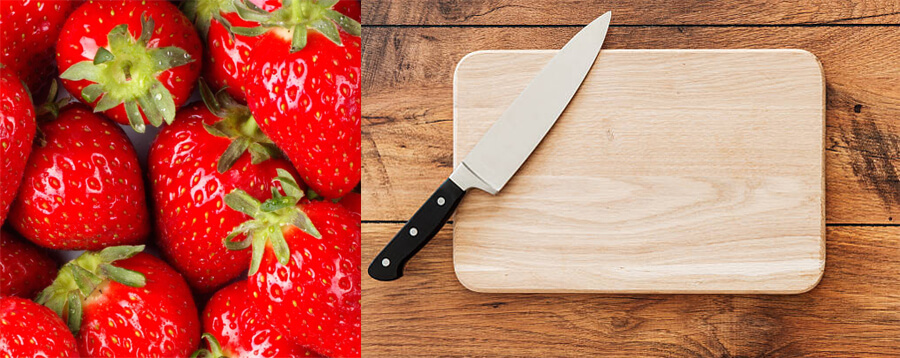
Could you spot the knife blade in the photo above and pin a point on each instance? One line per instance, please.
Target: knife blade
(502, 150)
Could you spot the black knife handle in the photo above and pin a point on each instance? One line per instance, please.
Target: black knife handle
(424, 224)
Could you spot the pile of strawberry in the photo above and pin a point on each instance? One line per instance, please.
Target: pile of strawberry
(247, 202)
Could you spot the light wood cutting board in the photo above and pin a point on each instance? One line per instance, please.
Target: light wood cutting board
(671, 171)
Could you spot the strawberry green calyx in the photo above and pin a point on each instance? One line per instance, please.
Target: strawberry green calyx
(237, 125)
(50, 107)
(202, 12)
(125, 72)
(78, 279)
(214, 351)
(269, 220)
(297, 17)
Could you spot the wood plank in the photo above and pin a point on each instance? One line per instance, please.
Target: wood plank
(854, 311)
(630, 12)
(407, 119)
(652, 180)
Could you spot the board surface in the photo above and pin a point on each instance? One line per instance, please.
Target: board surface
(671, 171)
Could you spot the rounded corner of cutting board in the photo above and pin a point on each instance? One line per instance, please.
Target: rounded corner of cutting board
(464, 277)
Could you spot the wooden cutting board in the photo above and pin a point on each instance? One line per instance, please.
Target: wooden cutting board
(671, 171)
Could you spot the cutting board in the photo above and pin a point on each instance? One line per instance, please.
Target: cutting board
(671, 171)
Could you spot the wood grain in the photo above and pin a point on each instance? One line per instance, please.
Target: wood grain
(671, 171)
(407, 91)
(854, 311)
(630, 12)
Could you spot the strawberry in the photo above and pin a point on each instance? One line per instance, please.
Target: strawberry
(228, 54)
(349, 8)
(305, 266)
(25, 269)
(28, 329)
(303, 87)
(353, 202)
(137, 66)
(82, 188)
(236, 328)
(17, 128)
(121, 302)
(28, 32)
(206, 153)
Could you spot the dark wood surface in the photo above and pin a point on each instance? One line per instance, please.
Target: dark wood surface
(410, 49)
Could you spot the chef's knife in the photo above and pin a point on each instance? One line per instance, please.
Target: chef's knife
(502, 150)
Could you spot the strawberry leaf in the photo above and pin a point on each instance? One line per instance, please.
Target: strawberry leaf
(84, 70)
(134, 116)
(298, 40)
(124, 276)
(150, 109)
(232, 154)
(302, 222)
(74, 311)
(162, 97)
(345, 22)
(258, 248)
(107, 102)
(116, 253)
(103, 55)
(280, 246)
(241, 201)
(147, 27)
(328, 29)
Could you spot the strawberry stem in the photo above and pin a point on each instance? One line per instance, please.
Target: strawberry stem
(270, 219)
(125, 72)
(80, 278)
(295, 18)
(238, 126)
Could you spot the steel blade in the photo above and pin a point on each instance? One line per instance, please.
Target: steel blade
(519, 130)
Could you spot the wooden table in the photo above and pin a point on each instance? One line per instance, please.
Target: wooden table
(410, 49)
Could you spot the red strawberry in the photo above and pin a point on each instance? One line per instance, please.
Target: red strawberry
(28, 32)
(82, 188)
(236, 328)
(305, 268)
(189, 190)
(17, 127)
(25, 269)
(28, 329)
(349, 8)
(303, 89)
(137, 66)
(228, 54)
(124, 303)
(353, 202)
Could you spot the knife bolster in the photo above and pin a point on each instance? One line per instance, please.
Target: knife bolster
(466, 179)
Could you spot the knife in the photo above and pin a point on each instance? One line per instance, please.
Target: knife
(502, 150)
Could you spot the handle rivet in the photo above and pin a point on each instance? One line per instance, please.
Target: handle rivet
(413, 231)
(441, 201)
(385, 262)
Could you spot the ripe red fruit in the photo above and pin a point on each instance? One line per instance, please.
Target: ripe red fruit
(353, 202)
(191, 170)
(305, 268)
(124, 303)
(28, 329)
(28, 32)
(82, 188)
(228, 54)
(137, 66)
(349, 8)
(17, 128)
(25, 269)
(236, 328)
(303, 88)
